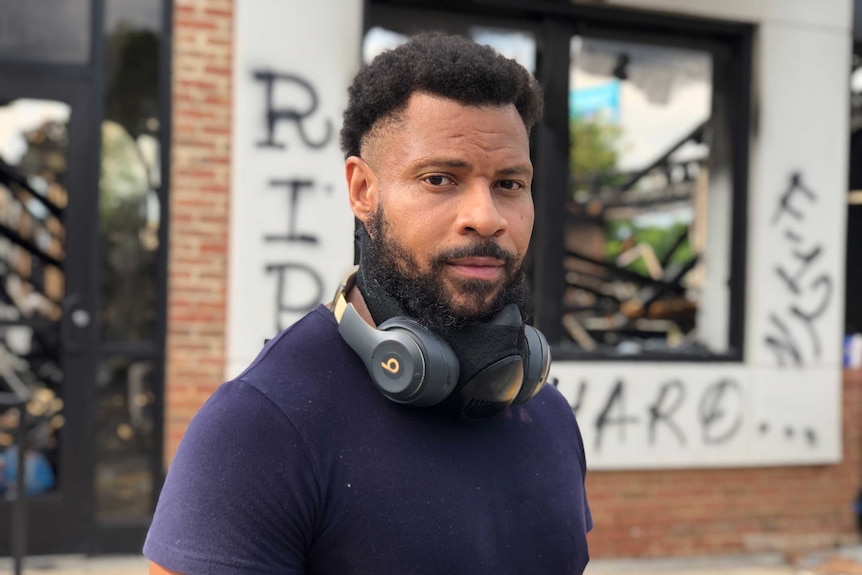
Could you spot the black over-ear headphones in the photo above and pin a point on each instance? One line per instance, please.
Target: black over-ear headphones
(411, 365)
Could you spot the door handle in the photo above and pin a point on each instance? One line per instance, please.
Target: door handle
(75, 319)
(80, 318)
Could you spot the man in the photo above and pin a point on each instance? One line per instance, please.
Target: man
(321, 458)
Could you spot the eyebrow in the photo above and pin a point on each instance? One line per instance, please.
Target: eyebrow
(443, 163)
(516, 170)
(457, 163)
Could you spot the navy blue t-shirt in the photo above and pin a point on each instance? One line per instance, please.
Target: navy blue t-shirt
(300, 465)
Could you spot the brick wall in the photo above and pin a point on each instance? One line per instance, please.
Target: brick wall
(678, 512)
(199, 198)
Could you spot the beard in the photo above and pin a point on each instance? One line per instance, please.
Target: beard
(424, 295)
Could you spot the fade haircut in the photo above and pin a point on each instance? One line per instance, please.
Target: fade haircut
(441, 65)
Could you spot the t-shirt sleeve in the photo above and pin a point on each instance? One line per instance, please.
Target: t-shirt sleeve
(241, 494)
(582, 458)
(588, 515)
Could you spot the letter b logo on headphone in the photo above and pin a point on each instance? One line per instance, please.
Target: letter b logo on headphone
(391, 366)
(397, 366)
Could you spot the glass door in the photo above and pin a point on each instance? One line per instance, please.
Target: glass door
(48, 211)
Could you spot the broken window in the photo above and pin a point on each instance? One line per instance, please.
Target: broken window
(638, 247)
(649, 210)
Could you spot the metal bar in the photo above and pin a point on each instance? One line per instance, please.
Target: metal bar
(32, 248)
(697, 133)
(17, 388)
(19, 505)
(735, 80)
(10, 176)
(132, 349)
(673, 284)
(592, 12)
(625, 274)
(665, 260)
(166, 51)
(551, 139)
(37, 285)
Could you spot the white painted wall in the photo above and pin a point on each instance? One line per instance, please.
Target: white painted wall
(690, 415)
(286, 254)
(773, 409)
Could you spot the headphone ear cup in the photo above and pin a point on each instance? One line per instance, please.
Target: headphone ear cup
(394, 360)
(537, 364)
(439, 363)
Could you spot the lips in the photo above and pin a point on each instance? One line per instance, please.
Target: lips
(481, 268)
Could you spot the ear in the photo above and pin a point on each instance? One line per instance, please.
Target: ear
(362, 187)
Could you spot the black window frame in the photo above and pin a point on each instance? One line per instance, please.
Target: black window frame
(127, 536)
(553, 23)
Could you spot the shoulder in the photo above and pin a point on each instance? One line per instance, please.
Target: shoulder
(555, 409)
(240, 460)
(310, 377)
(308, 362)
(300, 343)
(300, 375)
(552, 403)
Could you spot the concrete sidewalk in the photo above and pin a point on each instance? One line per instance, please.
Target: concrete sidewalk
(844, 561)
(724, 565)
(78, 565)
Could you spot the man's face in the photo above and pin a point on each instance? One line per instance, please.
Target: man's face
(448, 201)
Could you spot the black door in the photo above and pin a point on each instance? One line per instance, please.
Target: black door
(48, 242)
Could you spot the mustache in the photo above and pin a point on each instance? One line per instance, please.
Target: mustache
(483, 249)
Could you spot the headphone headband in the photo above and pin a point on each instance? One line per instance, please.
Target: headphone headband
(339, 302)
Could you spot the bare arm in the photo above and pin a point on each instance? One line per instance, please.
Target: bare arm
(159, 570)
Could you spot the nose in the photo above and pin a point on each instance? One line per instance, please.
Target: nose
(479, 212)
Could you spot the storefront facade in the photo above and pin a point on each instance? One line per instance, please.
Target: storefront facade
(688, 261)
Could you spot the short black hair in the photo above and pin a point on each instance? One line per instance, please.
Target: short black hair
(442, 65)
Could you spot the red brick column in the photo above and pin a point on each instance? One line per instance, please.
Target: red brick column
(199, 204)
(679, 512)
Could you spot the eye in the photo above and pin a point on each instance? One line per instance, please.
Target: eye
(437, 180)
(511, 185)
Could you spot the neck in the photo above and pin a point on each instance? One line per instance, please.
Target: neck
(354, 296)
